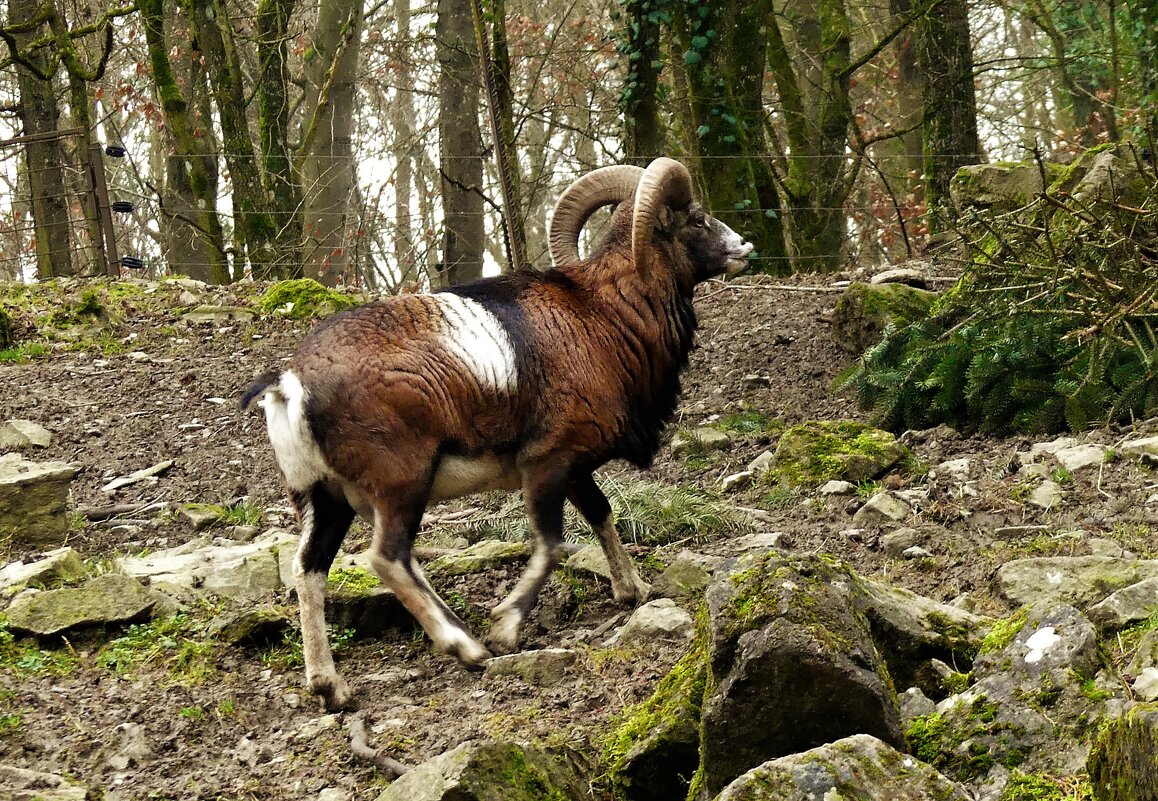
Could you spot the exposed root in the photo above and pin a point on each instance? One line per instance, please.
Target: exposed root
(360, 747)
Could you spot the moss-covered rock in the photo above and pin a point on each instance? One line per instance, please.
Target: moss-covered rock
(488, 771)
(858, 767)
(817, 451)
(652, 752)
(303, 298)
(106, 600)
(478, 557)
(1123, 763)
(7, 339)
(863, 311)
(792, 666)
(34, 500)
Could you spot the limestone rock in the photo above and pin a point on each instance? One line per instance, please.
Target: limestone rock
(897, 542)
(860, 767)
(19, 434)
(762, 463)
(881, 509)
(1079, 457)
(591, 560)
(660, 619)
(1126, 606)
(34, 500)
(911, 629)
(245, 570)
(901, 275)
(687, 576)
(488, 771)
(544, 667)
(1077, 580)
(736, 481)
(914, 704)
(105, 600)
(32, 785)
(218, 315)
(1145, 686)
(260, 625)
(792, 663)
(1145, 655)
(478, 557)
(1145, 448)
(837, 487)
(699, 440)
(60, 565)
(1046, 495)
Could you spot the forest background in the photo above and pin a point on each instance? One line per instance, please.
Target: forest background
(397, 145)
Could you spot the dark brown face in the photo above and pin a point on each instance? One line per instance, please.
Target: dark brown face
(713, 248)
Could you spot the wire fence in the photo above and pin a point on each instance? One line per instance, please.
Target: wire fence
(378, 245)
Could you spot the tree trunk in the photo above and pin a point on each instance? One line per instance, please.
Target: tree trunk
(279, 177)
(256, 229)
(402, 118)
(643, 135)
(39, 113)
(817, 116)
(945, 53)
(460, 144)
(724, 54)
(196, 240)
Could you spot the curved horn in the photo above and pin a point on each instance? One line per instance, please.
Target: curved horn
(594, 190)
(665, 182)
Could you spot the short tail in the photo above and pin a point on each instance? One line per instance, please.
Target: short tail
(259, 386)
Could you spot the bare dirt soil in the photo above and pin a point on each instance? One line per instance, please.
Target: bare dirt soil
(243, 728)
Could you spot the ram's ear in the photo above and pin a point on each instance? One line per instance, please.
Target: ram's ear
(666, 220)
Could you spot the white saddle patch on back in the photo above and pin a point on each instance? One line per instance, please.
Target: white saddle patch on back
(477, 337)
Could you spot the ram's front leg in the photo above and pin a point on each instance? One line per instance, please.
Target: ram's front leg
(626, 585)
(543, 494)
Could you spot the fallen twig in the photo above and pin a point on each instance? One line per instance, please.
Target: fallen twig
(362, 750)
(140, 475)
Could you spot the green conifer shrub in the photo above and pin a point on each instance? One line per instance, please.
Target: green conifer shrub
(1053, 324)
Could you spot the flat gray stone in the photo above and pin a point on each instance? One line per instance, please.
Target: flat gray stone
(105, 600)
(33, 785)
(660, 619)
(19, 434)
(1046, 495)
(881, 509)
(837, 487)
(1079, 457)
(762, 463)
(699, 439)
(897, 542)
(1127, 605)
(1145, 687)
(478, 557)
(591, 560)
(543, 667)
(736, 481)
(1146, 447)
(62, 564)
(687, 576)
(1077, 580)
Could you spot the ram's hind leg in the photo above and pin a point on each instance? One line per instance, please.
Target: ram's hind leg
(543, 494)
(626, 585)
(325, 518)
(391, 556)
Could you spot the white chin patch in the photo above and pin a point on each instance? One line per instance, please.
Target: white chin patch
(479, 340)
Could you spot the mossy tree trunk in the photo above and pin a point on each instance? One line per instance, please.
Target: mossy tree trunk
(39, 113)
(279, 176)
(326, 152)
(1143, 26)
(643, 138)
(945, 54)
(817, 117)
(724, 50)
(190, 166)
(256, 228)
(460, 144)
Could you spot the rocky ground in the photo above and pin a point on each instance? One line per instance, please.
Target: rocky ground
(172, 710)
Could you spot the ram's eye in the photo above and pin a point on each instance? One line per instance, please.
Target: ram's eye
(699, 220)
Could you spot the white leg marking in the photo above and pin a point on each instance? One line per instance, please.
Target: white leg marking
(507, 617)
(477, 337)
(416, 594)
(321, 675)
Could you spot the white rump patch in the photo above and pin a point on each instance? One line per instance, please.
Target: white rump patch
(297, 452)
(477, 337)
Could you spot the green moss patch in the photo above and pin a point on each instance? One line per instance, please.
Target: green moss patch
(817, 451)
(303, 298)
(1003, 632)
